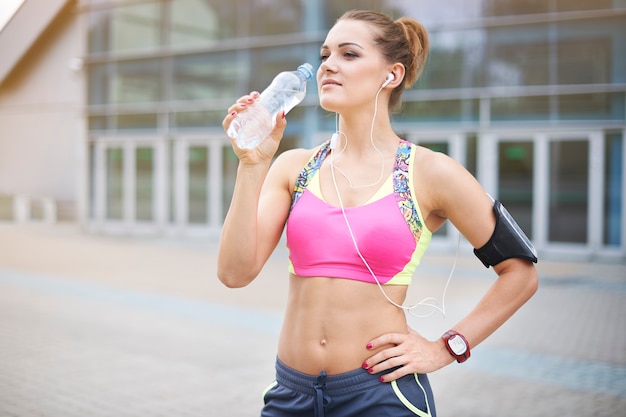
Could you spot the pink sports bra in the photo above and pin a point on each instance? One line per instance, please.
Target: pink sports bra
(388, 228)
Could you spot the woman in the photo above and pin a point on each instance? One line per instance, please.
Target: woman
(359, 212)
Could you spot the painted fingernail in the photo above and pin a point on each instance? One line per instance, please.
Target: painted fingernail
(233, 113)
(365, 365)
(369, 346)
(381, 379)
(283, 115)
(250, 100)
(371, 370)
(244, 105)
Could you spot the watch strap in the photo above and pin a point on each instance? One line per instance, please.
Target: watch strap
(450, 334)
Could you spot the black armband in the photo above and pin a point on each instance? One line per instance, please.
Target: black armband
(507, 241)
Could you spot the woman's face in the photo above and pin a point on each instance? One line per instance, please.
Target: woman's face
(352, 68)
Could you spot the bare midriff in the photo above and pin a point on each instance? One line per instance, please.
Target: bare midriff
(329, 322)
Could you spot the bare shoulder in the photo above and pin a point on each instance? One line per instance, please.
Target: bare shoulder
(288, 165)
(449, 191)
(431, 165)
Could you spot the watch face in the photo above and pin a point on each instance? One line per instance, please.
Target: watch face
(457, 345)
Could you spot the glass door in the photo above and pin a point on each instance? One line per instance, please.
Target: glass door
(568, 190)
(516, 165)
(124, 183)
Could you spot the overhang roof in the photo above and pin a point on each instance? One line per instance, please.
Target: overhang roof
(23, 30)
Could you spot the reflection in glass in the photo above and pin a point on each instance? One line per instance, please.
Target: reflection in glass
(568, 188)
(136, 26)
(197, 22)
(520, 108)
(144, 183)
(136, 82)
(456, 60)
(114, 183)
(265, 63)
(596, 106)
(275, 17)
(440, 110)
(515, 181)
(513, 7)
(518, 56)
(198, 118)
(582, 60)
(207, 76)
(198, 184)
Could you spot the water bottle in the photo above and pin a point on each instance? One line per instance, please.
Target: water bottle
(287, 90)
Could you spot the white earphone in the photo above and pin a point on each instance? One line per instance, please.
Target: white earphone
(389, 79)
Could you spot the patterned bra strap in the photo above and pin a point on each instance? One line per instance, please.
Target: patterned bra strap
(308, 171)
(402, 190)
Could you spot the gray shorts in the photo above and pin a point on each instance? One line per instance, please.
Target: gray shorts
(352, 394)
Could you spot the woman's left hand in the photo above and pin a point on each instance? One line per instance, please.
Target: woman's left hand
(410, 351)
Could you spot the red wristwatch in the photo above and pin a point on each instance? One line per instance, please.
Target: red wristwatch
(457, 345)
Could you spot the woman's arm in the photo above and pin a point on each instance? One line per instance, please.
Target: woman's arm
(453, 193)
(258, 208)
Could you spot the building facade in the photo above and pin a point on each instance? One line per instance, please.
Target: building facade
(529, 96)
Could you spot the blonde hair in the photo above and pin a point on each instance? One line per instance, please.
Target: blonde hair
(404, 40)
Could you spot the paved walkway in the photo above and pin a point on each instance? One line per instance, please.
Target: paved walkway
(102, 326)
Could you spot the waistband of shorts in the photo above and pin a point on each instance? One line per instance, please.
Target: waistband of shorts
(345, 383)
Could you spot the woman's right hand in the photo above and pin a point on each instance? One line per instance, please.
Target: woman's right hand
(266, 150)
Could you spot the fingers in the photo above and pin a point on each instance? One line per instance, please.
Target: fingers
(403, 353)
(240, 105)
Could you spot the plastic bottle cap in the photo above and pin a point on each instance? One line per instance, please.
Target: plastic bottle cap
(307, 70)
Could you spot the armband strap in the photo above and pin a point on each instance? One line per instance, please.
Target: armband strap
(507, 241)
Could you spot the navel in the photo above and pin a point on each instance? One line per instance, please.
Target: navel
(323, 342)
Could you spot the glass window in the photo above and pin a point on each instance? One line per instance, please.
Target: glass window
(136, 121)
(197, 22)
(568, 188)
(97, 122)
(589, 51)
(517, 56)
(144, 183)
(136, 82)
(99, 75)
(598, 106)
(114, 183)
(136, 26)
(206, 76)
(334, 9)
(515, 181)
(439, 110)
(443, 13)
(265, 63)
(198, 191)
(513, 7)
(198, 118)
(584, 61)
(99, 30)
(614, 199)
(578, 5)
(520, 108)
(274, 17)
(456, 60)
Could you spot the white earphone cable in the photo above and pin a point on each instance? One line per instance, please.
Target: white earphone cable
(431, 302)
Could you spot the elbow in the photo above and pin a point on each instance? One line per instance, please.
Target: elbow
(233, 279)
(532, 282)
